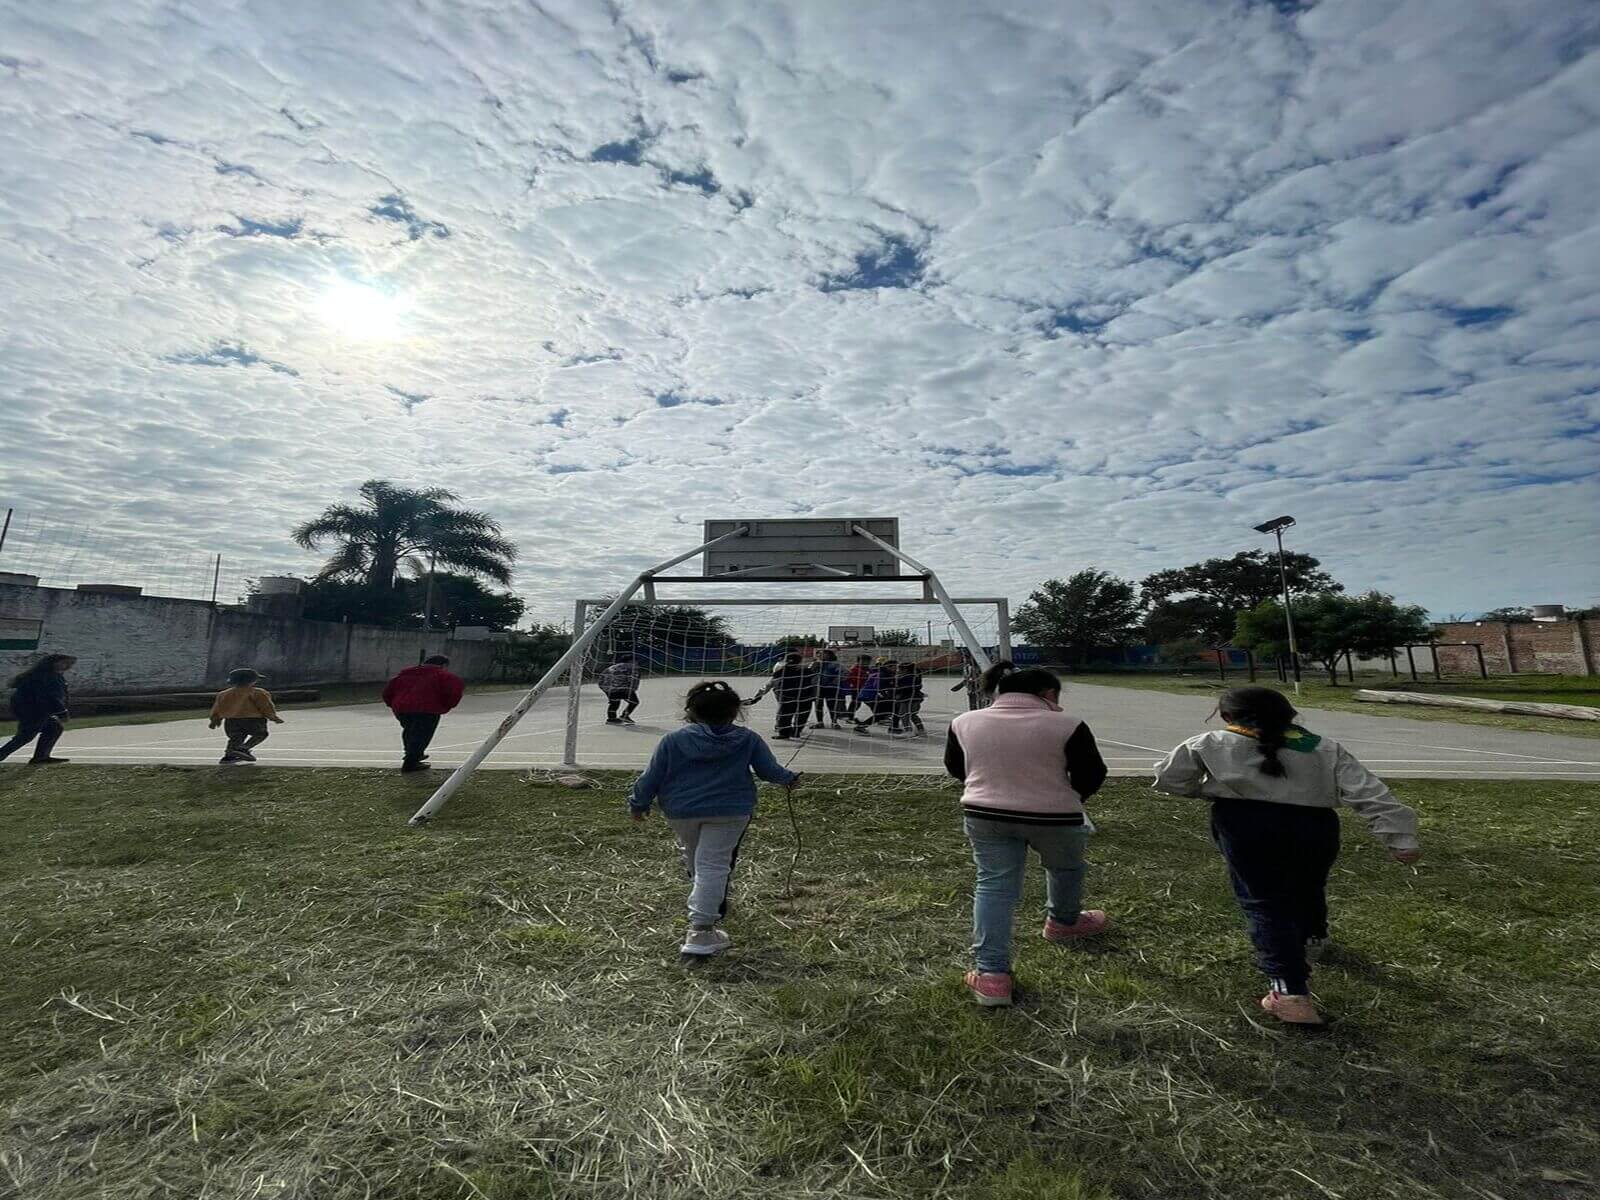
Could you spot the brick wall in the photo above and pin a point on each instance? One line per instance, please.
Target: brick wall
(154, 644)
(1568, 647)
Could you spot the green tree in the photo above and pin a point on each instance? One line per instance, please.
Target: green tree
(1086, 611)
(462, 600)
(395, 525)
(896, 637)
(667, 624)
(1329, 626)
(799, 641)
(354, 601)
(529, 655)
(1513, 612)
(1202, 599)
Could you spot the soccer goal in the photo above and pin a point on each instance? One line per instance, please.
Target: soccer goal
(839, 676)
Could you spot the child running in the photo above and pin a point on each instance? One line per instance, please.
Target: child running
(243, 710)
(701, 777)
(1027, 768)
(1273, 788)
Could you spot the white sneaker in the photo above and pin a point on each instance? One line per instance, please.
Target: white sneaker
(704, 942)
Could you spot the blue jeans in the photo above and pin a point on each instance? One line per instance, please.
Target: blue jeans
(1000, 849)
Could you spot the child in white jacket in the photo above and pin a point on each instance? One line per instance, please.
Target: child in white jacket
(1273, 788)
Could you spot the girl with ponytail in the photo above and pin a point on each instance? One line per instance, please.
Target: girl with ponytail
(1273, 787)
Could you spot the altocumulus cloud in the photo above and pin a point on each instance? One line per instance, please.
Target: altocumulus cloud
(1061, 285)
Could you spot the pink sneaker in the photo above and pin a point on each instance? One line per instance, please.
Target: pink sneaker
(991, 989)
(1292, 1010)
(1090, 922)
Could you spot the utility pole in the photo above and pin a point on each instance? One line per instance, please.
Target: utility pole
(5, 529)
(1276, 526)
(216, 577)
(427, 608)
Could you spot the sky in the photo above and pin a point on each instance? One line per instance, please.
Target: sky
(1060, 285)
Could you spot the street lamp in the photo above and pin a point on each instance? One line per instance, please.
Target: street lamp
(1276, 526)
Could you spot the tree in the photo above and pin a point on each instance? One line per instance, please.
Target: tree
(1513, 613)
(529, 655)
(395, 525)
(1182, 652)
(1202, 599)
(1329, 626)
(462, 600)
(354, 601)
(1088, 610)
(680, 624)
(799, 641)
(896, 637)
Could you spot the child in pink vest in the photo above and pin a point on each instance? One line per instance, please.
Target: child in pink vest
(1027, 768)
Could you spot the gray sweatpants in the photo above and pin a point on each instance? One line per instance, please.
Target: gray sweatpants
(710, 847)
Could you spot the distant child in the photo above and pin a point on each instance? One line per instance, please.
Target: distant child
(1026, 768)
(914, 697)
(701, 775)
(1273, 788)
(855, 680)
(880, 694)
(243, 710)
(830, 675)
(620, 683)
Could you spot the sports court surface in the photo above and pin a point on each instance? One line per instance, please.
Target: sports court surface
(1134, 728)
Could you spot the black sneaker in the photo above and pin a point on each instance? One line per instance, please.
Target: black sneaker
(47, 762)
(626, 720)
(416, 766)
(613, 721)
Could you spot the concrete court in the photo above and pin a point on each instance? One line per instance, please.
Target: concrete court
(1134, 728)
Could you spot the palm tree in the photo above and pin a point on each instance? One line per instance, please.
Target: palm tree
(396, 525)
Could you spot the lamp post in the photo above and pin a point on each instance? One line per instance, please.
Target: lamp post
(1276, 526)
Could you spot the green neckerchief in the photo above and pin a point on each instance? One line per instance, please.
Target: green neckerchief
(1294, 738)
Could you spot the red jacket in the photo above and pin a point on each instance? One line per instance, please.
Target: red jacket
(423, 690)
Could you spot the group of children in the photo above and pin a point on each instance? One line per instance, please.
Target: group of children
(819, 691)
(1027, 767)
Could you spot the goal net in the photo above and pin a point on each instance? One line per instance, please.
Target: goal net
(856, 690)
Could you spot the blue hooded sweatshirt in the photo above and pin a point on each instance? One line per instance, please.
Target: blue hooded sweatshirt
(704, 771)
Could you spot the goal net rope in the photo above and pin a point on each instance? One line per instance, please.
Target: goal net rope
(864, 692)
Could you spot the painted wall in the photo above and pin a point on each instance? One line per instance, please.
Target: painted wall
(152, 644)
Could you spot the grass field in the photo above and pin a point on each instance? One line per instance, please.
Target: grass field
(1317, 693)
(261, 983)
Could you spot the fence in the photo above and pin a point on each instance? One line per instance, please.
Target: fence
(111, 550)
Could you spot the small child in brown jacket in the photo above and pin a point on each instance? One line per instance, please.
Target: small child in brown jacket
(243, 710)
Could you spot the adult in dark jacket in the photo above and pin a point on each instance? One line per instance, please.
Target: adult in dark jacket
(39, 702)
(418, 697)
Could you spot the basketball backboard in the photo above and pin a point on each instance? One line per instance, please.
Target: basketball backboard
(803, 548)
(852, 635)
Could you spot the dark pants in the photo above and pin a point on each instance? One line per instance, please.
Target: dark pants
(1278, 858)
(614, 699)
(828, 705)
(884, 712)
(792, 716)
(416, 731)
(46, 729)
(244, 734)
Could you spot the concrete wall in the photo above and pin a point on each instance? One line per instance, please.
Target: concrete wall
(1567, 647)
(152, 644)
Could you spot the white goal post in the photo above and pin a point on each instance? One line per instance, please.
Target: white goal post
(641, 593)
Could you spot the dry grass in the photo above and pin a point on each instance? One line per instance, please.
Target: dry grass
(260, 983)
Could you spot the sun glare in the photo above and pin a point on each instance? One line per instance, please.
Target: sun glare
(359, 311)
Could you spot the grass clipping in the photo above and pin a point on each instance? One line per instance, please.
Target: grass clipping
(262, 984)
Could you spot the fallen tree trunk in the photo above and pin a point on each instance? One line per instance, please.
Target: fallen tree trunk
(1529, 708)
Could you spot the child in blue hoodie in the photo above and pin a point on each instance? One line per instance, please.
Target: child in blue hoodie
(701, 776)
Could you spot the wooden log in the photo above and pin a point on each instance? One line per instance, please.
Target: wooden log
(1527, 708)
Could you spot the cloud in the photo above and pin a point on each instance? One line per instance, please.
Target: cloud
(1059, 288)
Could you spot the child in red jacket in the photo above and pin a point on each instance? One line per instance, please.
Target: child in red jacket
(418, 697)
